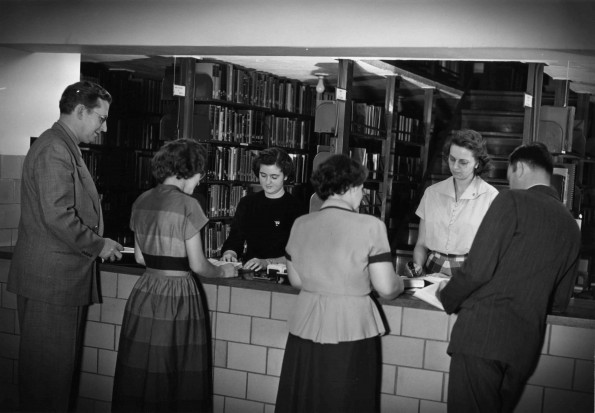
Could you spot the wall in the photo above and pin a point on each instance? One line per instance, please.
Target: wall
(30, 88)
(404, 25)
(249, 333)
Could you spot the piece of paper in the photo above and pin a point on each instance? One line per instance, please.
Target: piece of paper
(218, 263)
(435, 277)
(429, 295)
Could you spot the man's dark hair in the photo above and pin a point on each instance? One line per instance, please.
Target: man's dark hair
(336, 175)
(182, 158)
(274, 156)
(85, 93)
(534, 154)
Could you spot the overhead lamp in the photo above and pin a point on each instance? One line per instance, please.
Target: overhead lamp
(320, 85)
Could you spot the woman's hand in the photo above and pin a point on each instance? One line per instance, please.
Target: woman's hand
(228, 271)
(413, 270)
(255, 264)
(229, 256)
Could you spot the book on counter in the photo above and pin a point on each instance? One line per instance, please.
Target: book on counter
(429, 291)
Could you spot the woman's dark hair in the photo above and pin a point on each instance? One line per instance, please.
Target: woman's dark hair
(535, 154)
(182, 158)
(85, 93)
(472, 140)
(336, 175)
(274, 156)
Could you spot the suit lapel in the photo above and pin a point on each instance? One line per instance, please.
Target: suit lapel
(81, 167)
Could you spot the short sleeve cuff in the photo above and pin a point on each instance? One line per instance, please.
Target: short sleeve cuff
(384, 257)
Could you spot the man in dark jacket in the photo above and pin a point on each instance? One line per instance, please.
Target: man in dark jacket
(522, 265)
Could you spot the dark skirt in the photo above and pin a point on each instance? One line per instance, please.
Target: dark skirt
(343, 377)
(163, 359)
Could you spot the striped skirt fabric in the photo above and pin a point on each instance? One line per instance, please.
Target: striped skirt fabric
(443, 263)
(164, 353)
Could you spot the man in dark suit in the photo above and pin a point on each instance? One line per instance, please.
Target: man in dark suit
(53, 268)
(522, 265)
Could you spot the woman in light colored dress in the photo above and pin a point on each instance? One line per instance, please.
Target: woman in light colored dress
(450, 211)
(336, 257)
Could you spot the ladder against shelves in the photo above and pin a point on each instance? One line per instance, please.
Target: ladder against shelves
(236, 112)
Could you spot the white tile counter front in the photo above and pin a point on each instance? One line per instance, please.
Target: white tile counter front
(248, 324)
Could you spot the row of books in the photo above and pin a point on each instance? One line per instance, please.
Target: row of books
(223, 200)
(230, 163)
(371, 160)
(406, 165)
(133, 133)
(92, 160)
(300, 163)
(214, 235)
(286, 132)
(367, 119)
(216, 80)
(215, 122)
(408, 129)
(130, 133)
(371, 202)
(130, 93)
(239, 85)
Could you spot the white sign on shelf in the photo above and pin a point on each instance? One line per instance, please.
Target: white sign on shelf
(528, 100)
(179, 90)
(341, 94)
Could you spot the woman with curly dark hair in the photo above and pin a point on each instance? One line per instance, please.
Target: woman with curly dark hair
(335, 256)
(450, 211)
(163, 359)
(263, 219)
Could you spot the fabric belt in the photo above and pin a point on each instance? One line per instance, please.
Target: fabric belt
(160, 262)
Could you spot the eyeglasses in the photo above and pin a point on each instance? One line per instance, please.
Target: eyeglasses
(102, 118)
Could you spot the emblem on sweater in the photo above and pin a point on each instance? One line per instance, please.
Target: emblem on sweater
(277, 223)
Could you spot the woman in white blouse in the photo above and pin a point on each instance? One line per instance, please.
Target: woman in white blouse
(450, 211)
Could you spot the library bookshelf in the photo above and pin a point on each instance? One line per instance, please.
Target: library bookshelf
(236, 112)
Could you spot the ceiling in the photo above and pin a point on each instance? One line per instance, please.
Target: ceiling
(369, 76)
(300, 38)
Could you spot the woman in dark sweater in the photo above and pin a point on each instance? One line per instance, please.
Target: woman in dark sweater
(262, 222)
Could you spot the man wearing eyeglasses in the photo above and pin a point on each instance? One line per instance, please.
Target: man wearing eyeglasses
(53, 268)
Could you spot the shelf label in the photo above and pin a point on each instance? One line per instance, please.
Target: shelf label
(528, 100)
(341, 94)
(179, 90)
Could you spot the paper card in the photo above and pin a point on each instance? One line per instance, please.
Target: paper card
(429, 295)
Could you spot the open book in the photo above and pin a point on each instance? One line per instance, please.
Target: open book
(429, 294)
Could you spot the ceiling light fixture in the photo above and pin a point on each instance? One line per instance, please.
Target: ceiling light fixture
(320, 85)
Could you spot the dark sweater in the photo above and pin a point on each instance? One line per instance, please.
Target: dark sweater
(264, 224)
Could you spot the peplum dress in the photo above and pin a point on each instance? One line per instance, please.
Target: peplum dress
(332, 359)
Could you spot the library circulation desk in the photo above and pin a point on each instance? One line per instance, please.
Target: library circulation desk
(248, 323)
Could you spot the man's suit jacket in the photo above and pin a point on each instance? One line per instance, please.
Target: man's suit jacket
(58, 240)
(521, 265)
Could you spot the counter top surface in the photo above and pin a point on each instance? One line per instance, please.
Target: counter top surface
(580, 312)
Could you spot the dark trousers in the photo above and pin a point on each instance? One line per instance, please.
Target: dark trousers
(476, 384)
(49, 355)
